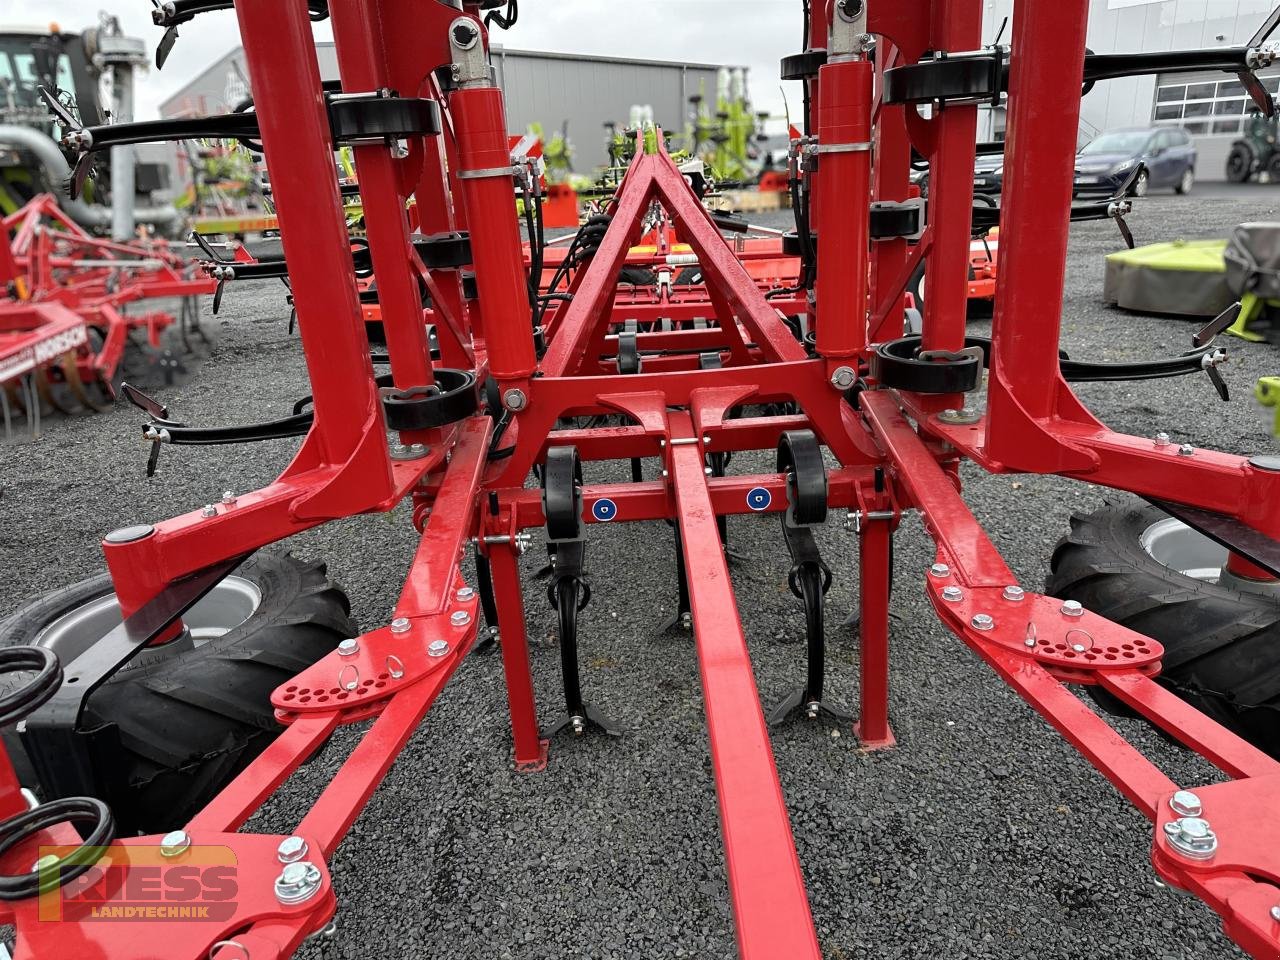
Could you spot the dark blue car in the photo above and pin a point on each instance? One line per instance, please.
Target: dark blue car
(1166, 154)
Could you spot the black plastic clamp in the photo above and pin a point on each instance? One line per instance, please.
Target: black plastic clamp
(972, 77)
(455, 396)
(803, 66)
(444, 251)
(902, 365)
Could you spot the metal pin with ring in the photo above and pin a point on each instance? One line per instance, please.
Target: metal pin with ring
(355, 677)
(395, 667)
(1077, 645)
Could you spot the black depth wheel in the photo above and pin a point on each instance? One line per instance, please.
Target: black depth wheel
(194, 712)
(1134, 564)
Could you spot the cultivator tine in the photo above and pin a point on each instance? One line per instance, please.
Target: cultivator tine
(6, 412)
(683, 616)
(800, 458)
(71, 373)
(45, 394)
(148, 405)
(1217, 325)
(488, 604)
(165, 46)
(79, 174)
(569, 593)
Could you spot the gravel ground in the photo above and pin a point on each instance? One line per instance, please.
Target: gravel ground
(982, 835)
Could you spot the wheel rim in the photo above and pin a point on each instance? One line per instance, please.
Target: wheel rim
(1188, 179)
(1140, 188)
(1189, 552)
(1173, 544)
(221, 610)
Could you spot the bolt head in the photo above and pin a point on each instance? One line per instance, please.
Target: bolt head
(1072, 608)
(1192, 837)
(174, 843)
(297, 882)
(228, 497)
(982, 621)
(1014, 593)
(291, 849)
(843, 378)
(465, 593)
(459, 618)
(400, 625)
(940, 570)
(515, 400)
(348, 647)
(437, 648)
(1186, 450)
(952, 594)
(208, 510)
(1275, 914)
(1162, 439)
(1186, 804)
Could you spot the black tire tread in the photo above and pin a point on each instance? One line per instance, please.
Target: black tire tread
(1222, 646)
(189, 724)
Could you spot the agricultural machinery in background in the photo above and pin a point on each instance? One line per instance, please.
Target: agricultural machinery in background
(68, 304)
(76, 67)
(1256, 152)
(652, 339)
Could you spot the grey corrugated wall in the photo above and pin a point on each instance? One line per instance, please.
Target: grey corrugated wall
(539, 87)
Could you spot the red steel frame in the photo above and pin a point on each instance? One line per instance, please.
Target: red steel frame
(678, 413)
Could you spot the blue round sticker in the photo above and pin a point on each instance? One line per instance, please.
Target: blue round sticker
(604, 510)
(758, 498)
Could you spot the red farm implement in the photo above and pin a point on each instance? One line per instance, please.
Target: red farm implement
(65, 316)
(606, 355)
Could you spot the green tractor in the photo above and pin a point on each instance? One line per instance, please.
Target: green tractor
(1255, 152)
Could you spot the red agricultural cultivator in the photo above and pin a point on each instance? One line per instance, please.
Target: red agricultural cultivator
(679, 351)
(64, 318)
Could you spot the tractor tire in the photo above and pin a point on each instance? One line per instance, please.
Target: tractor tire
(194, 712)
(1273, 168)
(1240, 163)
(1135, 565)
(975, 308)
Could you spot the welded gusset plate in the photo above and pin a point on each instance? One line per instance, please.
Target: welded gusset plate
(1072, 644)
(227, 884)
(381, 663)
(1242, 817)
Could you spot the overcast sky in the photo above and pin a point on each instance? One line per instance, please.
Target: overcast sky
(750, 33)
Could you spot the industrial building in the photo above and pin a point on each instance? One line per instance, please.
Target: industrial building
(1210, 106)
(547, 88)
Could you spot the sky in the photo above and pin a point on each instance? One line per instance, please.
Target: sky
(751, 33)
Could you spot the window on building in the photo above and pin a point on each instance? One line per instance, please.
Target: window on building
(1219, 107)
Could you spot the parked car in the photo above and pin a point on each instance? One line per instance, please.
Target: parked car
(988, 174)
(1167, 155)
